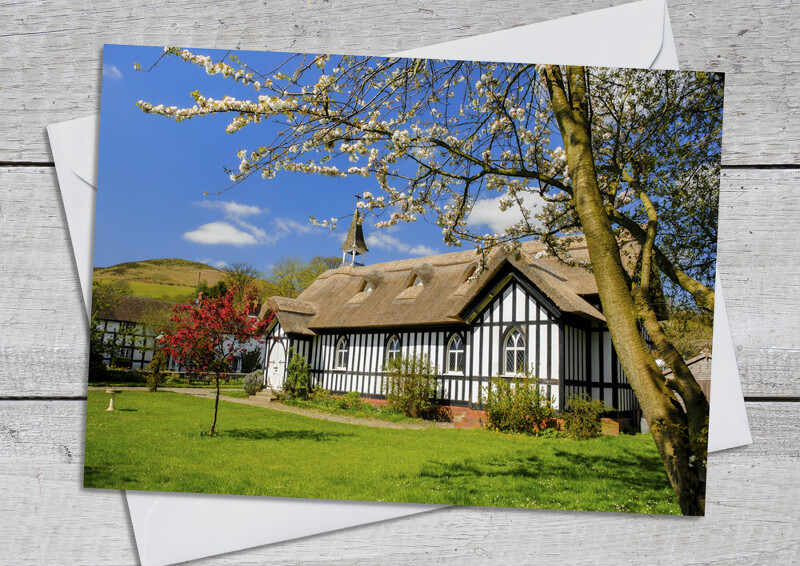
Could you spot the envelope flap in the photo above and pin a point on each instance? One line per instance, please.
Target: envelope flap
(630, 35)
(174, 527)
(77, 139)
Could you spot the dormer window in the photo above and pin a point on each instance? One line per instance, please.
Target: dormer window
(366, 287)
(472, 274)
(416, 281)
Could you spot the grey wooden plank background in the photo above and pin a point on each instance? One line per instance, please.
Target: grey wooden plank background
(50, 71)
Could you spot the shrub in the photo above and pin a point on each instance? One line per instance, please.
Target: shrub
(410, 386)
(320, 395)
(252, 382)
(122, 362)
(350, 401)
(298, 377)
(517, 405)
(582, 417)
(155, 371)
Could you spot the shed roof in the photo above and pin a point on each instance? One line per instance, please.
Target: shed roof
(382, 295)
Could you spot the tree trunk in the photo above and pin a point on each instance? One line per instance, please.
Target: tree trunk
(216, 406)
(664, 415)
(683, 383)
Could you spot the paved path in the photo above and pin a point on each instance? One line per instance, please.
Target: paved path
(276, 406)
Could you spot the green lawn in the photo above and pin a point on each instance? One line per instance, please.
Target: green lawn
(158, 441)
(238, 393)
(363, 410)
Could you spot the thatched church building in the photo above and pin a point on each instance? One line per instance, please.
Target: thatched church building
(528, 312)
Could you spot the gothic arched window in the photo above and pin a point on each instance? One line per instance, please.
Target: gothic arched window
(455, 354)
(342, 352)
(393, 348)
(514, 352)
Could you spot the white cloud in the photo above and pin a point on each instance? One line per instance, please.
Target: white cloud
(258, 233)
(112, 72)
(383, 240)
(235, 230)
(486, 212)
(285, 226)
(218, 263)
(233, 209)
(421, 250)
(220, 233)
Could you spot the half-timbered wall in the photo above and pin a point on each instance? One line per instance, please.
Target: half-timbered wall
(133, 341)
(567, 359)
(594, 369)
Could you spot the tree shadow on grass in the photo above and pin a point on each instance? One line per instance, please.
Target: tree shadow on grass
(290, 435)
(626, 473)
(632, 470)
(104, 477)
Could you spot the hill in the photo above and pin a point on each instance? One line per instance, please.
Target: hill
(169, 279)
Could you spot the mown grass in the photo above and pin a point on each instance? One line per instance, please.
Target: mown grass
(159, 441)
(237, 393)
(331, 404)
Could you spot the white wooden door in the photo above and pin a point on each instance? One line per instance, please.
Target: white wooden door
(276, 366)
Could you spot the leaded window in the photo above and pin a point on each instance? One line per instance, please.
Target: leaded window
(393, 348)
(455, 354)
(514, 350)
(342, 352)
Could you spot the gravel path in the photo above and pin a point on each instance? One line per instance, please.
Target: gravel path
(276, 406)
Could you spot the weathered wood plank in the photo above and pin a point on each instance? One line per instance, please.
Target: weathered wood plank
(51, 64)
(759, 261)
(756, 45)
(46, 516)
(43, 325)
(44, 344)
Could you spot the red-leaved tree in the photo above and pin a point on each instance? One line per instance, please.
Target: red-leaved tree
(209, 334)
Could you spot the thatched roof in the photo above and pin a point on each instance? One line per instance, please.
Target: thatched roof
(385, 294)
(294, 314)
(133, 309)
(355, 236)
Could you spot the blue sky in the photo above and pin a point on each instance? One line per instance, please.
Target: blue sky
(153, 172)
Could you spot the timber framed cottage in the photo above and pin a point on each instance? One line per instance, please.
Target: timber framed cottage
(125, 334)
(529, 312)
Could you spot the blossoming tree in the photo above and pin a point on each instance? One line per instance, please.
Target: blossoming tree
(614, 156)
(207, 335)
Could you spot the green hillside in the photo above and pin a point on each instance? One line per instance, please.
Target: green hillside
(169, 279)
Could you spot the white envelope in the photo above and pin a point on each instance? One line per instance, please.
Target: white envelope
(173, 527)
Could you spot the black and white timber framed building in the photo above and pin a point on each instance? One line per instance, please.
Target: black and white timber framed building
(527, 312)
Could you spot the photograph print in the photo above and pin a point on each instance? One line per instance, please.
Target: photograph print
(406, 280)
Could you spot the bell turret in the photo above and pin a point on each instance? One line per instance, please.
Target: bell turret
(354, 246)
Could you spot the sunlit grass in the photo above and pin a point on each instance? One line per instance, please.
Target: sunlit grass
(159, 441)
(161, 291)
